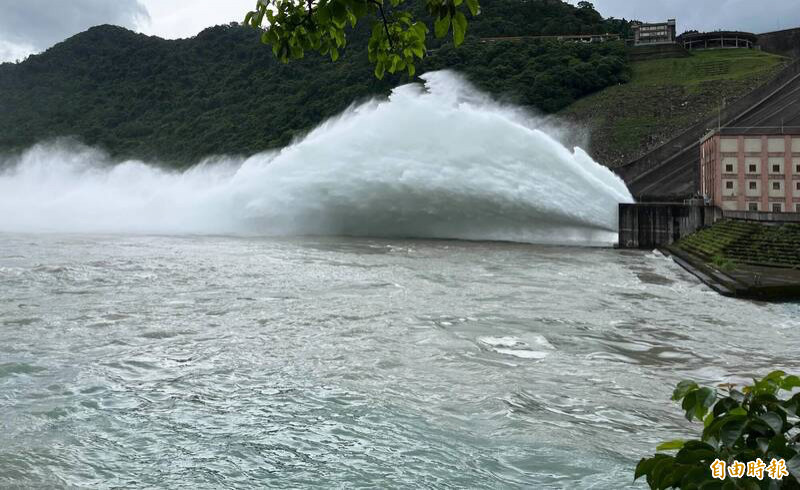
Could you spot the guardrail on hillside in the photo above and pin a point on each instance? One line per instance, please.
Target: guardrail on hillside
(762, 216)
(690, 138)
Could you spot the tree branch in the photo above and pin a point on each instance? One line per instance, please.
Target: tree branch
(310, 11)
(385, 23)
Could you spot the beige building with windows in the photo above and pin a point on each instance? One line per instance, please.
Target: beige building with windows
(659, 33)
(751, 172)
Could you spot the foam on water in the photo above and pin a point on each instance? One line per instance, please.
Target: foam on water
(439, 161)
(516, 347)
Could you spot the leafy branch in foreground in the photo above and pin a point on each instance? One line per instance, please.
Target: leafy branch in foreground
(745, 429)
(398, 41)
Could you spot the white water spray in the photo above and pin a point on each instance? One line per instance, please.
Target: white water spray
(440, 161)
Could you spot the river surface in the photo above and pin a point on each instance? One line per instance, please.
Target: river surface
(208, 362)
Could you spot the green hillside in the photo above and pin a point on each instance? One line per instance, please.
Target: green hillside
(223, 92)
(666, 96)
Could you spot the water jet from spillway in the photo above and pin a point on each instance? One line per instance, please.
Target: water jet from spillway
(439, 161)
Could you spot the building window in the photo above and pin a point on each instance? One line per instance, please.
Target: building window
(797, 207)
(729, 184)
(797, 185)
(753, 206)
(777, 207)
(776, 186)
(776, 169)
(797, 169)
(753, 186)
(729, 168)
(753, 169)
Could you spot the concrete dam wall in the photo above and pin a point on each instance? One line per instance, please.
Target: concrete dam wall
(785, 43)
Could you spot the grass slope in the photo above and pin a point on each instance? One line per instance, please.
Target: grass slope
(666, 96)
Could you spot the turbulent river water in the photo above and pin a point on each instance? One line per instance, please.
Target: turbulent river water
(200, 362)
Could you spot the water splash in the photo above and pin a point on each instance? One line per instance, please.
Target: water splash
(439, 161)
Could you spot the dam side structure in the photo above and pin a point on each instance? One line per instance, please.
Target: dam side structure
(672, 172)
(752, 172)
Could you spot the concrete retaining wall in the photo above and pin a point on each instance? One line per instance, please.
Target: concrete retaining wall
(762, 216)
(784, 43)
(652, 225)
(657, 51)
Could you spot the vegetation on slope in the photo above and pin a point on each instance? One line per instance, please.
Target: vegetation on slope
(741, 242)
(666, 96)
(224, 92)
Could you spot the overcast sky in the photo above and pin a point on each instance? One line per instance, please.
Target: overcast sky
(28, 26)
(708, 15)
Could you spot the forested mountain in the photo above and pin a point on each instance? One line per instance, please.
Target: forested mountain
(222, 92)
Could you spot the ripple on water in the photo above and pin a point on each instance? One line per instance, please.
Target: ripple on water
(164, 333)
(17, 368)
(21, 322)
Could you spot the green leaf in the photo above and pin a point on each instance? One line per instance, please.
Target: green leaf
(359, 8)
(732, 429)
(420, 29)
(338, 13)
(696, 403)
(646, 465)
(643, 468)
(334, 54)
(790, 382)
(441, 26)
(297, 51)
(706, 396)
(696, 476)
(380, 69)
(683, 388)
(773, 420)
(662, 472)
(473, 7)
(747, 485)
(411, 69)
(459, 28)
(377, 30)
(793, 465)
(689, 405)
(774, 376)
(695, 456)
(323, 14)
(670, 445)
(777, 443)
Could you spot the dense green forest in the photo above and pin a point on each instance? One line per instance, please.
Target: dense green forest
(222, 92)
